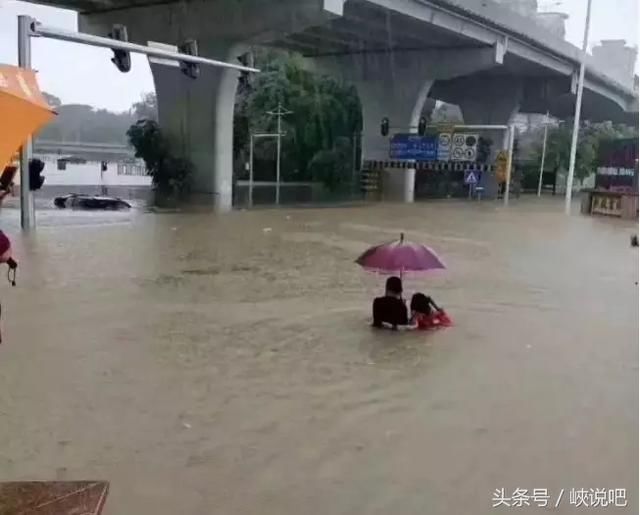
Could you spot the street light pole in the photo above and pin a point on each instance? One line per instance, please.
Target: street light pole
(544, 152)
(279, 112)
(576, 118)
(252, 141)
(27, 208)
(250, 170)
(511, 135)
(27, 28)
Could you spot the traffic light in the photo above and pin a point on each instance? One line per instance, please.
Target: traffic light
(36, 180)
(422, 126)
(244, 80)
(189, 47)
(384, 127)
(121, 58)
(484, 150)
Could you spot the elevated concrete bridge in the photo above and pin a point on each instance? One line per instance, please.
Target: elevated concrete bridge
(478, 54)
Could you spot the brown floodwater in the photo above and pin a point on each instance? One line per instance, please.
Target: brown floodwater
(224, 364)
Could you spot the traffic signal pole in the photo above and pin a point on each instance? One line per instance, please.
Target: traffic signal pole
(27, 207)
(28, 28)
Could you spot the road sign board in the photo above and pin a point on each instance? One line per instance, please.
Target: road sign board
(464, 147)
(414, 147)
(470, 177)
(444, 146)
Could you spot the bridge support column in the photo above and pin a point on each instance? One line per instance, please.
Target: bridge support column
(395, 85)
(494, 103)
(491, 107)
(402, 103)
(197, 115)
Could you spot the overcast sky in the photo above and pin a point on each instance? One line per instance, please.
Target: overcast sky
(80, 74)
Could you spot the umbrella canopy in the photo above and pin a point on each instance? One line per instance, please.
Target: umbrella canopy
(399, 257)
(23, 109)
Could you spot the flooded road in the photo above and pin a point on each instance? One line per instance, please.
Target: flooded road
(224, 365)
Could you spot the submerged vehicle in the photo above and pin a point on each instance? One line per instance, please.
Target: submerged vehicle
(81, 201)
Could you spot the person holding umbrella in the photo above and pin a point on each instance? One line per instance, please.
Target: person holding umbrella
(390, 310)
(401, 257)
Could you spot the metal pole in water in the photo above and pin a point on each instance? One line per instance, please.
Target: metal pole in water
(27, 209)
(576, 118)
(544, 152)
(280, 112)
(278, 154)
(507, 182)
(251, 139)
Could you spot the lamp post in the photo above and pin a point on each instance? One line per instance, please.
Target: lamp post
(279, 112)
(544, 151)
(29, 27)
(576, 118)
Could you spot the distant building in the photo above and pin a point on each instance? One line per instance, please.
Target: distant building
(553, 22)
(84, 164)
(616, 57)
(523, 7)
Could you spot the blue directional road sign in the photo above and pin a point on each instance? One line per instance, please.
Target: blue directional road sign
(414, 147)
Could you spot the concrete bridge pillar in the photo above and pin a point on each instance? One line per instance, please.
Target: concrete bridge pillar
(493, 104)
(198, 114)
(395, 85)
(485, 100)
(402, 103)
(198, 117)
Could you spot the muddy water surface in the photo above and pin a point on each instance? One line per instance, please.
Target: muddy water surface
(224, 365)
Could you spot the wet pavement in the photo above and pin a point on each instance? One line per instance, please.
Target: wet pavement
(207, 364)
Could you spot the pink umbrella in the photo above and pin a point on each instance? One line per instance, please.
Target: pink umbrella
(399, 257)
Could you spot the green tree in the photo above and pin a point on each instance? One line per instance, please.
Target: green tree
(332, 167)
(170, 175)
(324, 112)
(590, 135)
(146, 108)
(83, 123)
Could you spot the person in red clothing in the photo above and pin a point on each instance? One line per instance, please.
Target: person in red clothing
(426, 314)
(5, 251)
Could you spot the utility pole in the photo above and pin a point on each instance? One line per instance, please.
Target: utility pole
(354, 164)
(279, 112)
(544, 152)
(27, 206)
(576, 118)
(29, 27)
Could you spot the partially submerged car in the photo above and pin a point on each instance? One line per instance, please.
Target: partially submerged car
(82, 201)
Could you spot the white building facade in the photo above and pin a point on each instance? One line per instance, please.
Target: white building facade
(90, 164)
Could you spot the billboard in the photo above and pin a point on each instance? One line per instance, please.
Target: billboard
(617, 164)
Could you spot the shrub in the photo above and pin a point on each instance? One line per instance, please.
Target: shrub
(170, 174)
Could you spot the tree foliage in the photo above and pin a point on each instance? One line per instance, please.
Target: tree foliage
(325, 115)
(332, 166)
(170, 175)
(83, 123)
(590, 135)
(146, 108)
